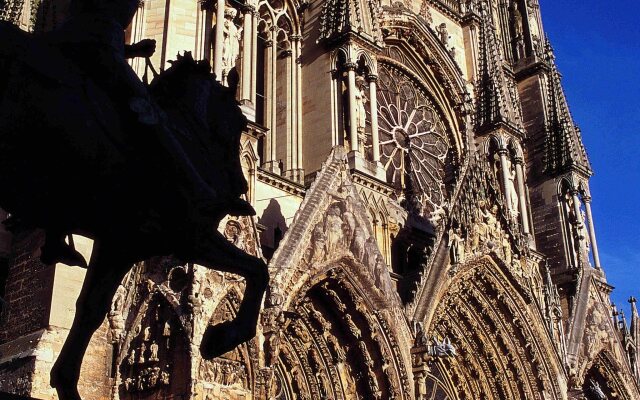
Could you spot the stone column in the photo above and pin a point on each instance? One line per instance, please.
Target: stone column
(203, 32)
(271, 110)
(353, 123)
(524, 212)
(592, 232)
(298, 99)
(289, 163)
(217, 48)
(373, 101)
(247, 53)
(254, 55)
(505, 175)
(294, 111)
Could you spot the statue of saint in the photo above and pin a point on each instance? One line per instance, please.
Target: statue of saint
(512, 193)
(231, 41)
(456, 244)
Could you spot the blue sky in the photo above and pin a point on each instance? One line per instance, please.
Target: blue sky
(597, 46)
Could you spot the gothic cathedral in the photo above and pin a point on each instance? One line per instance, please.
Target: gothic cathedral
(422, 197)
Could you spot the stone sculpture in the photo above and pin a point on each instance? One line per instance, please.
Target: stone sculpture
(144, 189)
(231, 41)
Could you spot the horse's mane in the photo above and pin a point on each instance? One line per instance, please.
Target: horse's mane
(169, 82)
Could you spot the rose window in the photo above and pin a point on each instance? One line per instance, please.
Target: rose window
(413, 139)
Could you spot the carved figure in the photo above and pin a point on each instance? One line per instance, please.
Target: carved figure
(421, 335)
(339, 355)
(336, 299)
(132, 357)
(595, 390)
(456, 244)
(146, 189)
(147, 334)
(333, 229)
(233, 232)
(368, 361)
(231, 41)
(352, 327)
(442, 349)
(361, 112)
(319, 244)
(511, 189)
(443, 33)
(349, 222)
(301, 333)
(517, 18)
(506, 249)
(143, 348)
(164, 377)
(154, 352)
(374, 387)
(358, 243)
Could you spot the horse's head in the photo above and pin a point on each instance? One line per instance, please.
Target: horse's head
(189, 86)
(186, 82)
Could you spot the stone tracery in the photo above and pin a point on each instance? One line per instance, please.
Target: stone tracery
(412, 137)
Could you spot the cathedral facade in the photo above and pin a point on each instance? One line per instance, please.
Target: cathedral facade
(422, 198)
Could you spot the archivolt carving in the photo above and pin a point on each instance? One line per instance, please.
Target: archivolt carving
(333, 345)
(501, 341)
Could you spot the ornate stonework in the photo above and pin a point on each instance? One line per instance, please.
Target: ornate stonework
(422, 198)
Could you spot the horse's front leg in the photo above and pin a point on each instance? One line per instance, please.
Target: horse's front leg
(216, 252)
(104, 274)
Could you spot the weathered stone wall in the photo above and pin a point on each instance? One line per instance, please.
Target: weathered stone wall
(28, 289)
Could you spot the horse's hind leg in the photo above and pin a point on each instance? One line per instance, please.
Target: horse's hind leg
(104, 274)
(218, 253)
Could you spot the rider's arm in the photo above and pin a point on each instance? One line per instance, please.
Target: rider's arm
(144, 48)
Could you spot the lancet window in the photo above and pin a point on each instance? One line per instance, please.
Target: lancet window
(258, 49)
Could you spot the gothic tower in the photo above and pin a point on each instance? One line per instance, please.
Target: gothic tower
(422, 198)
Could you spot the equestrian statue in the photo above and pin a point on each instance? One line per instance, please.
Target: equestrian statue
(144, 170)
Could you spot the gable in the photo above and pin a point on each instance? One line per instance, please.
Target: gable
(331, 229)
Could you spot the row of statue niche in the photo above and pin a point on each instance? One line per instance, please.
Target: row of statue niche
(148, 378)
(227, 373)
(148, 350)
(151, 354)
(339, 232)
(486, 233)
(338, 352)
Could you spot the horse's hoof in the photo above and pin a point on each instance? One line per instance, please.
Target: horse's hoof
(220, 339)
(65, 386)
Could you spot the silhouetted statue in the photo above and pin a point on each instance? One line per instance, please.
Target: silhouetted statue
(87, 148)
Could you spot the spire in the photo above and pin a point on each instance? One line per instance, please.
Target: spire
(635, 320)
(497, 96)
(344, 17)
(564, 147)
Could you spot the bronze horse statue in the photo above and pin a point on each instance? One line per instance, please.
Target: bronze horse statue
(74, 161)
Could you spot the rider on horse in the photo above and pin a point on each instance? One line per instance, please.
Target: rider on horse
(93, 38)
